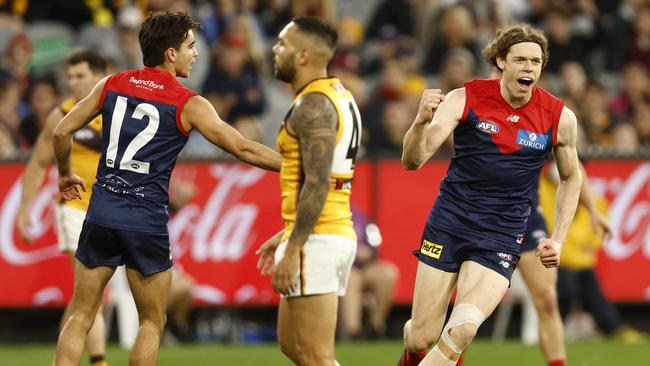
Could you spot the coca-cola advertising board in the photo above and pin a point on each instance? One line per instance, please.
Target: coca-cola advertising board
(237, 207)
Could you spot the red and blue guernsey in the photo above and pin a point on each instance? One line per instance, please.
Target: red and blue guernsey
(142, 137)
(499, 153)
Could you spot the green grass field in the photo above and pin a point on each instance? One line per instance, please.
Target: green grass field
(482, 353)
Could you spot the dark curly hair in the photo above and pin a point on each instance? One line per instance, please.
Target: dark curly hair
(160, 31)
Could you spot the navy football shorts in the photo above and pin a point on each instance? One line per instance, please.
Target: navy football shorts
(447, 252)
(535, 231)
(148, 253)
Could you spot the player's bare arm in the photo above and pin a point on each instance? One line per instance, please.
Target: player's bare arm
(568, 190)
(438, 115)
(200, 114)
(42, 157)
(599, 222)
(81, 114)
(314, 121)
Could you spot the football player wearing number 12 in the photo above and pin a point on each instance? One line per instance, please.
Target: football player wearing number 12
(147, 117)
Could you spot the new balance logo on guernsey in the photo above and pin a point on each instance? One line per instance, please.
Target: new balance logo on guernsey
(513, 118)
(147, 84)
(433, 250)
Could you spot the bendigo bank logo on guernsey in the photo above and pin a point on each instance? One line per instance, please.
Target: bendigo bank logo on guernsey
(433, 250)
(533, 140)
(147, 84)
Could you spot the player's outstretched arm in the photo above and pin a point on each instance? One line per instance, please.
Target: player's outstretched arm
(438, 115)
(314, 121)
(42, 156)
(198, 113)
(568, 190)
(81, 114)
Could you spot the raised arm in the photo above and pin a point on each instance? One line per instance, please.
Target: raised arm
(314, 121)
(568, 190)
(80, 115)
(200, 114)
(438, 115)
(42, 157)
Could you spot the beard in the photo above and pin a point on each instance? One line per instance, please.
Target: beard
(285, 72)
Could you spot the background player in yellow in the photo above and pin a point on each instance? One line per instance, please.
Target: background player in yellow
(318, 142)
(83, 70)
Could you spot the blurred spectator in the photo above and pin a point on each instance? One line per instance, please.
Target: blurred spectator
(563, 44)
(640, 51)
(42, 97)
(635, 89)
(455, 30)
(395, 120)
(123, 47)
(246, 26)
(598, 120)
(233, 86)
(641, 120)
(618, 29)
(9, 119)
(385, 49)
(225, 12)
(625, 139)
(347, 55)
(574, 80)
(372, 284)
(397, 14)
(15, 62)
(577, 280)
(274, 14)
(71, 12)
(457, 68)
(325, 9)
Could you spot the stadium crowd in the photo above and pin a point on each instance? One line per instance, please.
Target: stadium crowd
(389, 51)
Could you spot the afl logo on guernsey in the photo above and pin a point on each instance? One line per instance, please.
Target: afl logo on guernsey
(533, 140)
(487, 126)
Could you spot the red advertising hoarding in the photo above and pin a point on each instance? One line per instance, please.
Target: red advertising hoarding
(237, 207)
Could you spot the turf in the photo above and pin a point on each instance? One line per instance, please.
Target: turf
(482, 353)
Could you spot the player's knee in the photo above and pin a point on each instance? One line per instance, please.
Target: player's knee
(462, 326)
(420, 337)
(463, 334)
(391, 273)
(546, 300)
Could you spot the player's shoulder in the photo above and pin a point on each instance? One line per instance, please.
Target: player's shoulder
(480, 89)
(547, 100)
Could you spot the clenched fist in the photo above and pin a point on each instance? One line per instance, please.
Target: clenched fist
(431, 99)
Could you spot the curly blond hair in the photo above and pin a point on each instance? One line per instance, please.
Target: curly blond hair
(508, 36)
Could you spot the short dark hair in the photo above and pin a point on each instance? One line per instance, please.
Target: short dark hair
(95, 61)
(160, 31)
(319, 28)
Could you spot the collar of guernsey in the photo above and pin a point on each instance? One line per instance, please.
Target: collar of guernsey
(84, 159)
(336, 217)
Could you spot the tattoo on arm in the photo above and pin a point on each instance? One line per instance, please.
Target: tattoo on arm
(314, 120)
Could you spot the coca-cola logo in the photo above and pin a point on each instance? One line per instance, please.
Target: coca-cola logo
(223, 228)
(42, 221)
(629, 213)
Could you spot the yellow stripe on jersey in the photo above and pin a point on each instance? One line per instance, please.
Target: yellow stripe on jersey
(336, 217)
(84, 159)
